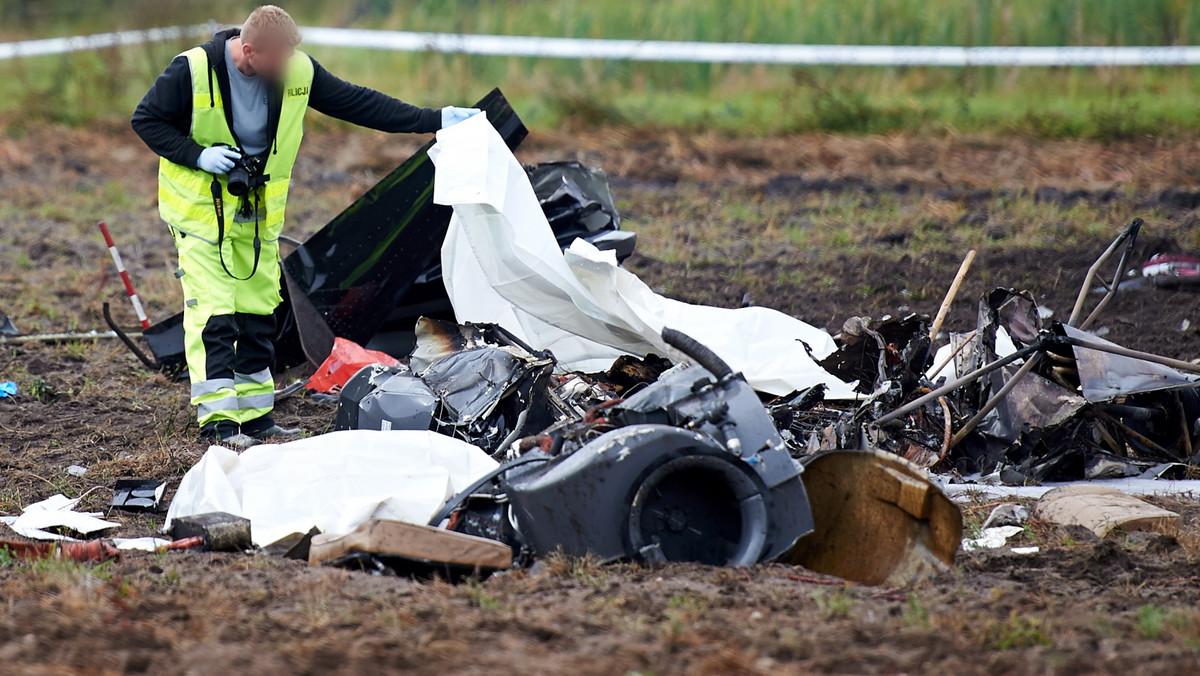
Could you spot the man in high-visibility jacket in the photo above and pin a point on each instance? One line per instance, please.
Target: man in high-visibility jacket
(226, 119)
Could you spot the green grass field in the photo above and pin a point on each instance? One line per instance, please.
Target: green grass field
(743, 100)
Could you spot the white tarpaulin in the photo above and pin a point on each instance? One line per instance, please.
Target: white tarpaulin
(502, 265)
(333, 481)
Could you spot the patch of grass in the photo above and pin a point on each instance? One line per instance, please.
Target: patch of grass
(41, 390)
(479, 597)
(688, 602)
(834, 605)
(584, 569)
(1017, 631)
(1150, 621)
(750, 100)
(730, 223)
(1154, 623)
(63, 572)
(845, 109)
(916, 615)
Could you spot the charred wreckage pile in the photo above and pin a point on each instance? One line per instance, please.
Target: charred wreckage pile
(674, 455)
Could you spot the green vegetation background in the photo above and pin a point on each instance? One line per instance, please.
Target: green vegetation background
(1100, 103)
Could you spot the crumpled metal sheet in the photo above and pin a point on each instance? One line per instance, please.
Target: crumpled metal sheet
(1033, 404)
(1105, 376)
(471, 383)
(872, 352)
(1017, 312)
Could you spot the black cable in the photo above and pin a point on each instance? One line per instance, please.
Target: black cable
(219, 208)
(700, 353)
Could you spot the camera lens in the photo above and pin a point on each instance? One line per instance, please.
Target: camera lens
(239, 181)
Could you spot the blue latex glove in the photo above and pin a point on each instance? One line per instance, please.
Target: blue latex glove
(8, 389)
(452, 116)
(217, 160)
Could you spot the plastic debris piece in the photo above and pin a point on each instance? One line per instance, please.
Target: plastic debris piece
(346, 359)
(991, 538)
(57, 501)
(146, 544)
(138, 495)
(186, 543)
(293, 545)
(43, 520)
(8, 389)
(7, 328)
(1102, 509)
(975, 486)
(76, 470)
(1172, 271)
(1007, 515)
(1167, 470)
(878, 520)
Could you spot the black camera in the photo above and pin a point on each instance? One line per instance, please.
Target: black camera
(246, 174)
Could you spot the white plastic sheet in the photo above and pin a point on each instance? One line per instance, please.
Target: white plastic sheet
(991, 538)
(334, 481)
(56, 512)
(502, 265)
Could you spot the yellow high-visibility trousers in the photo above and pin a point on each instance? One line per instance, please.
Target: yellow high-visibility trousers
(229, 327)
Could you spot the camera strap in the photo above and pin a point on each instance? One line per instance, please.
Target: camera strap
(219, 207)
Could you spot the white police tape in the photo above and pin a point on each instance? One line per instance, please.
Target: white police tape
(656, 50)
(80, 43)
(740, 52)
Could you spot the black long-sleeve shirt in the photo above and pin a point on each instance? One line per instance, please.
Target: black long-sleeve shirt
(163, 119)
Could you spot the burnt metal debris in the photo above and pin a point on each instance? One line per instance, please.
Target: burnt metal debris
(1038, 400)
(690, 468)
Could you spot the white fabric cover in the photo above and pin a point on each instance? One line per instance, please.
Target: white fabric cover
(333, 481)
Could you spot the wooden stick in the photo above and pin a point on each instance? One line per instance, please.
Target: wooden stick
(950, 294)
(1183, 422)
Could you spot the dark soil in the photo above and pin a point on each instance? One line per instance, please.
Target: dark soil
(876, 284)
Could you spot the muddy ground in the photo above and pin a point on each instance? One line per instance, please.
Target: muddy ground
(721, 221)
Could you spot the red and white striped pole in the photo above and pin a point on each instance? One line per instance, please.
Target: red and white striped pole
(133, 297)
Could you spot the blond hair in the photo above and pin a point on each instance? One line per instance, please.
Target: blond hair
(269, 22)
